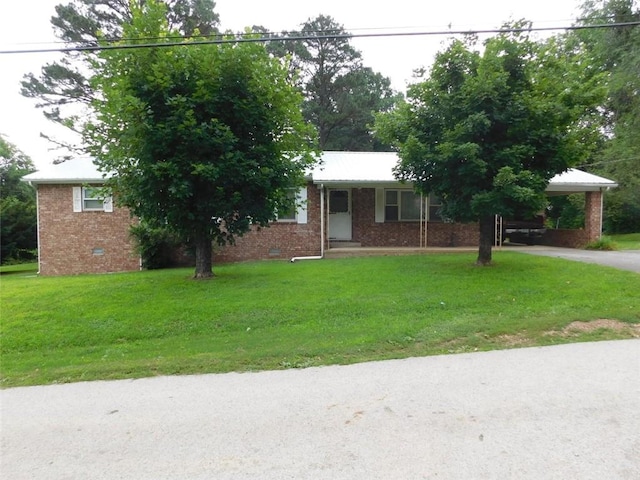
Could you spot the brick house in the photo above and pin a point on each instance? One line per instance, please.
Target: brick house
(351, 199)
(78, 232)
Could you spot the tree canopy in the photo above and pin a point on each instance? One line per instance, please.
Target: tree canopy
(486, 131)
(341, 95)
(615, 51)
(62, 87)
(205, 139)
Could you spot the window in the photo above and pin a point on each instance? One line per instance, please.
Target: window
(91, 199)
(435, 206)
(338, 201)
(297, 212)
(289, 214)
(401, 206)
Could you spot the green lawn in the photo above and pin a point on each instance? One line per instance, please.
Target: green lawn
(272, 314)
(627, 241)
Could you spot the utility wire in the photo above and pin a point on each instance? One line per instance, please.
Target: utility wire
(262, 39)
(277, 34)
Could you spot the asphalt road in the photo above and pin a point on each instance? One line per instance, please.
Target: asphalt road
(622, 259)
(562, 412)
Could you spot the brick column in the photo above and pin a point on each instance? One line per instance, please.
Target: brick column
(593, 215)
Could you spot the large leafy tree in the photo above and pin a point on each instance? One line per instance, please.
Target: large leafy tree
(62, 87)
(616, 52)
(18, 237)
(487, 131)
(341, 95)
(205, 139)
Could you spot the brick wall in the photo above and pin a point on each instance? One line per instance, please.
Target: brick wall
(81, 242)
(404, 234)
(280, 240)
(453, 234)
(565, 238)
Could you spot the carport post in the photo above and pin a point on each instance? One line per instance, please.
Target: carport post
(593, 215)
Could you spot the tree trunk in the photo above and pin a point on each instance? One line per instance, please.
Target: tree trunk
(487, 232)
(204, 260)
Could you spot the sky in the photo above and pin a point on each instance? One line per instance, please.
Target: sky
(25, 25)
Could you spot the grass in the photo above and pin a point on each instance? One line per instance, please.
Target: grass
(627, 241)
(271, 315)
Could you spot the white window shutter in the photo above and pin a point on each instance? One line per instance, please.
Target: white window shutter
(379, 205)
(108, 204)
(301, 200)
(77, 199)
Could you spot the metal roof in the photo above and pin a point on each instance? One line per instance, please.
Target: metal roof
(355, 167)
(362, 168)
(76, 170)
(336, 169)
(574, 180)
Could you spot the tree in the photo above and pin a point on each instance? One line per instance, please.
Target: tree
(487, 131)
(63, 88)
(205, 139)
(18, 220)
(359, 95)
(616, 52)
(341, 95)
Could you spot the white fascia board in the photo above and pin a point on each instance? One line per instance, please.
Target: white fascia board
(575, 188)
(363, 184)
(63, 181)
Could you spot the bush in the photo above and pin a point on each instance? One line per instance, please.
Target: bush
(604, 243)
(156, 245)
(622, 211)
(18, 229)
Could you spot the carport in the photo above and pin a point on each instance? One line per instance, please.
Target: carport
(593, 187)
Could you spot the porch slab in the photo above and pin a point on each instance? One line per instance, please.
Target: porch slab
(389, 251)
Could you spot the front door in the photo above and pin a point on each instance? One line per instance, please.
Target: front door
(340, 214)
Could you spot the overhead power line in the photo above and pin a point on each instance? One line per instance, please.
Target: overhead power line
(276, 34)
(227, 39)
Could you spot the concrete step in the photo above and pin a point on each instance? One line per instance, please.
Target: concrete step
(344, 244)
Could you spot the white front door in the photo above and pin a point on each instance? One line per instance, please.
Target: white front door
(340, 214)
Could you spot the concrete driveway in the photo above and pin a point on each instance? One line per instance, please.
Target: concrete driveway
(562, 412)
(622, 259)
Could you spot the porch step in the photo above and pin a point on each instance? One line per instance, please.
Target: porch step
(344, 244)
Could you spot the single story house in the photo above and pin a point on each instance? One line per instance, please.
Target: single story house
(351, 199)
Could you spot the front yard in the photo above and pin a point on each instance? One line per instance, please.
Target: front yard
(272, 314)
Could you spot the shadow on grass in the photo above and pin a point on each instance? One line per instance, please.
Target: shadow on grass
(19, 269)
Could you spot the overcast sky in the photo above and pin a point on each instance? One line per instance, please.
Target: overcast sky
(25, 24)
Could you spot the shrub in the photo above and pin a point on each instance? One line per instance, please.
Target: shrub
(622, 211)
(156, 245)
(604, 243)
